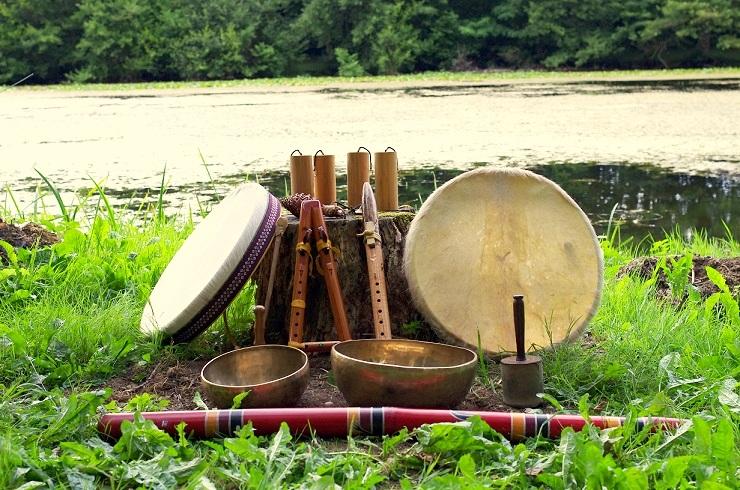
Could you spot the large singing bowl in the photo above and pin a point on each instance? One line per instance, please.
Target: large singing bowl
(402, 373)
(274, 376)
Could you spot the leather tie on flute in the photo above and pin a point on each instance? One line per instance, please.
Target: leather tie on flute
(301, 174)
(358, 172)
(326, 179)
(340, 422)
(375, 271)
(386, 179)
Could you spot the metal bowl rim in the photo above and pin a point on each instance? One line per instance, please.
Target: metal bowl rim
(254, 347)
(474, 360)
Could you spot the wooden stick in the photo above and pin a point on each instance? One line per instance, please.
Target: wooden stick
(282, 224)
(314, 346)
(259, 325)
(260, 312)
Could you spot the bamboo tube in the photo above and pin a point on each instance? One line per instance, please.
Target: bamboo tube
(301, 174)
(326, 179)
(386, 180)
(358, 172)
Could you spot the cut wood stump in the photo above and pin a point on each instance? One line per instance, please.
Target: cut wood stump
(353, 278)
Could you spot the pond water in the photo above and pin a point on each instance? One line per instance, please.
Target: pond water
(644, 200)
(665, 153)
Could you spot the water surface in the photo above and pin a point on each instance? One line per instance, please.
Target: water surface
(666, 153)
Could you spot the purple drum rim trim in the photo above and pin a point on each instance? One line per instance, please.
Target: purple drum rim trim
(236, 281)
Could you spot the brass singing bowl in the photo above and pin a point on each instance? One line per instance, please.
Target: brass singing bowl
(274, 376)
(402, 373)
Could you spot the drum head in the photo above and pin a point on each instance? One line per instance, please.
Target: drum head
(213, 264)
(489, 234)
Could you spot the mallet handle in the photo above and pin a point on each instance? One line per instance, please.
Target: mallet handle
(259, 325)
(521, 354)
(321, 346)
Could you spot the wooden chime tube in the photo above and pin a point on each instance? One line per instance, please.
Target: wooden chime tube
(358, 172)
(386, 180)
(326, 179)
(301, 174)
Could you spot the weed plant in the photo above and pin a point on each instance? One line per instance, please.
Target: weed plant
(69, 321)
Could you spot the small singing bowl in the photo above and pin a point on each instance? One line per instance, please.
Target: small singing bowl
(274, 376)
(402, 373)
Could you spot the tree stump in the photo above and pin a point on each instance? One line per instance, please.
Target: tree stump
(353, 278)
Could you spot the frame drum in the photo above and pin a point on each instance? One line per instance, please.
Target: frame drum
(489, 234)
(213, 264)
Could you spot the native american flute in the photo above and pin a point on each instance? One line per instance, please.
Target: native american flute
(328, 269)
(375, 271)
(312, 227)
(340, 422)
(300, 276)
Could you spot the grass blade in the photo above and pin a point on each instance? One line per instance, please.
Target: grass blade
(160, 198)
(10, 194)
(57, 196)
(210, 178)
(108, 208)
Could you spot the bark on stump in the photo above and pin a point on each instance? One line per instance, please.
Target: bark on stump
(353, 278)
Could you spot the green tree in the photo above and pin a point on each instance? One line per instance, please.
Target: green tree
(119, 40)
(396, 42)
(37, 36)
(325, 25)
(691, 31)
(138, 40)
(439, 40)
(349, 63)
(208, 39)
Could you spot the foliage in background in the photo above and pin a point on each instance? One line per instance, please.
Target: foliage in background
(139, 40)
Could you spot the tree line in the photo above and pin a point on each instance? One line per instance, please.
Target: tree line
(144, 40)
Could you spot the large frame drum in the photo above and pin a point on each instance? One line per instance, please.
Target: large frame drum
(489, 234)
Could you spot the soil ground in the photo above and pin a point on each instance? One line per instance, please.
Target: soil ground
(179, 380)
(729, 268)
(26, 236)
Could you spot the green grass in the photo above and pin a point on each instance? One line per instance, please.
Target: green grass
(440, 76)
(69, 320)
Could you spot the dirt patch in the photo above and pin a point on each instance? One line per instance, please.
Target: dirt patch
(29, 235)
(178, 382)
(729, 268)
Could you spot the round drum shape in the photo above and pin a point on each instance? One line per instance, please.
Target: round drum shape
(402, 373)
(213, 264)
(274, 376)
(489, 234)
